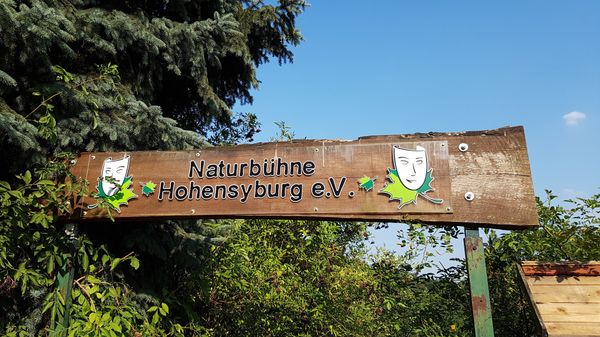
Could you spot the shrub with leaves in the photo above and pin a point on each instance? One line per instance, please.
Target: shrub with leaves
(36, 250)
(294, 278)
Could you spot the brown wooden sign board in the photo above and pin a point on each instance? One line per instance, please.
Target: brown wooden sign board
(470, 178)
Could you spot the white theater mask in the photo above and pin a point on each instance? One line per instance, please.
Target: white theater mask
(117, 171)
(411, 166)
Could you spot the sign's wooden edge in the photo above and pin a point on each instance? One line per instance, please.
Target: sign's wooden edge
(364, 139)
(320, 217)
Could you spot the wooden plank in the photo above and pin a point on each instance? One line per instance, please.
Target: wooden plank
(569, 309)
(570, 294)
(588, 268)
(495, 168)
(558, 281)
(584, 318)
(573, 329)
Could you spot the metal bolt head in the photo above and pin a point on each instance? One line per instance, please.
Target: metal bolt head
(463, 147)
(73, 161)
(469, 196)
(198, 154)
(316, 209)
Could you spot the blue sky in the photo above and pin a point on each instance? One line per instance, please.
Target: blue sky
(394, 67)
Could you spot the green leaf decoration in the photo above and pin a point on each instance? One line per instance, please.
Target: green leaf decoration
(120, 198)
(397, 191)
(148, 188)
(366, 183)
(100, 189)
(426, 187)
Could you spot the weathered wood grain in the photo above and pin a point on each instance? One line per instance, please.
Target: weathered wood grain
(565, 296)
(564, 329)
(572, 318)
(569, 309)
(495, 168)
(560, 280)
(570, 294)
(588, 268)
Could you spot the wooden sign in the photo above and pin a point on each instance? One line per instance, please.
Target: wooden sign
(469, 178)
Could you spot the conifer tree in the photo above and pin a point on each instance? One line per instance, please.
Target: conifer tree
(132, 75)
(119, 75)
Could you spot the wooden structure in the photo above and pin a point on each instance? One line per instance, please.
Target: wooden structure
(479, 179)
(565, 296)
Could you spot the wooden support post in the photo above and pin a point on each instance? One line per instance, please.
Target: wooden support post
(478, 284)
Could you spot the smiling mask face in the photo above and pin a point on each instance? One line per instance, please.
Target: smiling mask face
(411, 166)
(117, 169)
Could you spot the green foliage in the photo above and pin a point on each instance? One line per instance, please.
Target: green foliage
(422, 244)
(298, 278)
(421, 304)
(295, 278)
(285, 132)
(130, 75)
(34, 248)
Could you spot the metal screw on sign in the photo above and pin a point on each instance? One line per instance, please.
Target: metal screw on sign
(469, 196)
(73, 162)
(198, 154)
(463, 147)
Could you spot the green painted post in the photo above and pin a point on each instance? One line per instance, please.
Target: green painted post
(65, 286)
(478, 284)
(59, 326)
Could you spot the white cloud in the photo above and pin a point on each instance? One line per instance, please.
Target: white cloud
(574, 117)
(572, 193)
